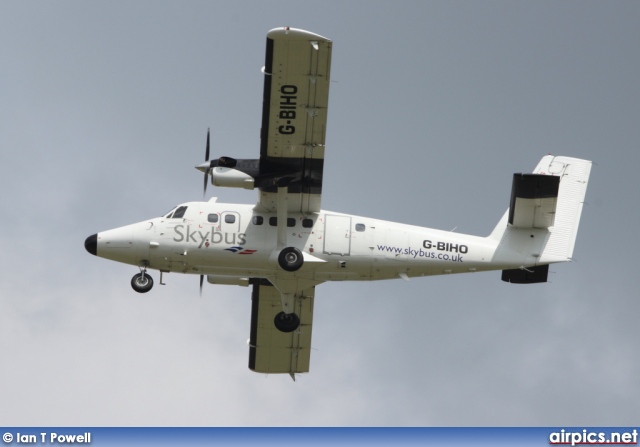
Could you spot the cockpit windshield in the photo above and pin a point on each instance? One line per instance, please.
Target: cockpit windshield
(167, 215)
(177, 213)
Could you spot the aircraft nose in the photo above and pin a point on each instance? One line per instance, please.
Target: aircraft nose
(91, 244)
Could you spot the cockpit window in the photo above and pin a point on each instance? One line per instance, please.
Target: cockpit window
(168, 215)
(179, 212)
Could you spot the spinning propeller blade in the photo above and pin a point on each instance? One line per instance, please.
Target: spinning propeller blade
(206, 173)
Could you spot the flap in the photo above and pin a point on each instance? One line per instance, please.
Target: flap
(272, 351)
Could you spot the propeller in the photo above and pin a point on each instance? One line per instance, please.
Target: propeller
(207, 170)
(206, 175)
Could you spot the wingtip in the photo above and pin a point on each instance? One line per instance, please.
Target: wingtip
(286, 32)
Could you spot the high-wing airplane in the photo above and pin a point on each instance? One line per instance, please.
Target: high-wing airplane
(286, 244)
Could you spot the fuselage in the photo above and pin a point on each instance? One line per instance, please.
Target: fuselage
(232, 240)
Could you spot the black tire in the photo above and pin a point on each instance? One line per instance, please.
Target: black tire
(290, 259)
(286, 322)
(141, 284)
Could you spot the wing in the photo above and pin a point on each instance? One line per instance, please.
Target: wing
(272, 351)
(294, 117)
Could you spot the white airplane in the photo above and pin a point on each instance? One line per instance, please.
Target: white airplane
(285, 244)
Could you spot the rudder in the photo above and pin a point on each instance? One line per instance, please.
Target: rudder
(574, 178)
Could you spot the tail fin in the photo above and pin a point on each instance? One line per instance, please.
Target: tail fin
(541, 224)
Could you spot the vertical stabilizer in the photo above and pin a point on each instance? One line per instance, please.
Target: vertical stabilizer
(541, 225)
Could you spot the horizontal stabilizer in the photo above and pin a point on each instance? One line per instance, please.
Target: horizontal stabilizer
(533, 200)
(530, 275)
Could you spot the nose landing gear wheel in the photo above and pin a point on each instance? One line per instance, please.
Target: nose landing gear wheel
(141, 282)
(286, 322)
(290, 259)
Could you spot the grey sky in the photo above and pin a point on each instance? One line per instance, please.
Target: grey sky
(104, 108)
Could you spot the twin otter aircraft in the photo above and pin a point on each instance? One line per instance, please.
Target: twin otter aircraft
(285, 244)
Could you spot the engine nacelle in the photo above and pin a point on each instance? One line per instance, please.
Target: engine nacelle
(231, 178)
(228, 280)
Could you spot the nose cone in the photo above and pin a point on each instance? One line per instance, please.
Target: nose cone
(91, 244)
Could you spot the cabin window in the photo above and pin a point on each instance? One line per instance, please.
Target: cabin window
(257, 220)
(213, 218)
(307, 223)
(360, 227)
(179, 212)
(291, 221)
(229, 218)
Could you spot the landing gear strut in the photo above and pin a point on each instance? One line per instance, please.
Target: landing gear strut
(286, 322)
(141, 282)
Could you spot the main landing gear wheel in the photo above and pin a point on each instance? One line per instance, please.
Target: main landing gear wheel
(290, 259)
(286, 322)
(141, 282)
